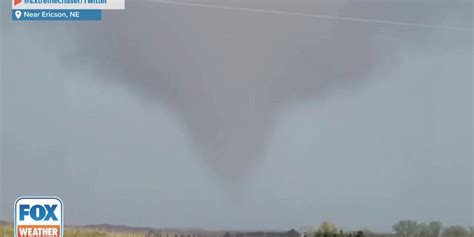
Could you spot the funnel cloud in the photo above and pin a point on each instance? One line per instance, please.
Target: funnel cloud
(227, 74)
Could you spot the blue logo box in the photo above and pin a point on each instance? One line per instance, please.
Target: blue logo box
(56, 15)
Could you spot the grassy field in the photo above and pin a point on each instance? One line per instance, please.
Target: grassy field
(7, 231)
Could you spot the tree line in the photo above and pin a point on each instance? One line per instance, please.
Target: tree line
(411, 228)
(403, 228)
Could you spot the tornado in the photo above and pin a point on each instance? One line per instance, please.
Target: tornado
(228, 73)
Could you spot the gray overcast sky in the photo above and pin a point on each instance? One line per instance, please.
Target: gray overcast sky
(180, 116)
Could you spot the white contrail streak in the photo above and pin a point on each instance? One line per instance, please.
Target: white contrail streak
(316, 16)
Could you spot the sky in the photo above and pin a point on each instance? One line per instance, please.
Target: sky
(168, 115)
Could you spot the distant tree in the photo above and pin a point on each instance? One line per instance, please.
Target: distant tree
(328, 228)
(405, 228)
(368, 233)
(435, 228)
(455, 231)
(422, 230)
(293, 233)
(471, 230)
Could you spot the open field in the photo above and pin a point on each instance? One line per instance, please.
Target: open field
(7, 231)
(404, 228)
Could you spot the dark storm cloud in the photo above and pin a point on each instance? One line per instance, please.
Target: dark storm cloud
(228, 73)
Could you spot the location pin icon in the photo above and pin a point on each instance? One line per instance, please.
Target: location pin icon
(18, 14)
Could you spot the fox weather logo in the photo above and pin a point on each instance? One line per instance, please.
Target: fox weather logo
(38, 216)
